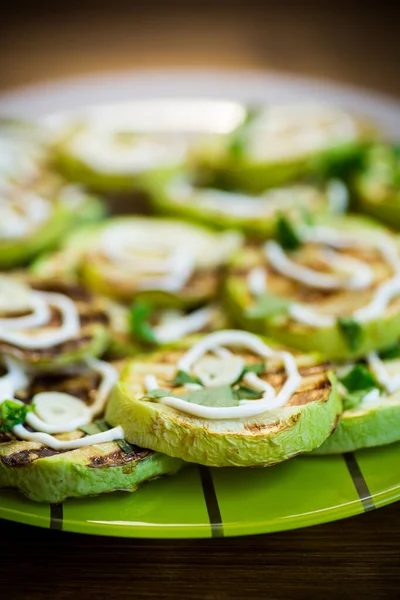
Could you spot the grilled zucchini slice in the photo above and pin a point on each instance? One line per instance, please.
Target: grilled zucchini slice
(339, 333)
(161, 261)
(47, 475)
(302, 423)
(377, 185)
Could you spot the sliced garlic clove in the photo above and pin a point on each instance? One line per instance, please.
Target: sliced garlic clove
(57, 408)
(215, 371)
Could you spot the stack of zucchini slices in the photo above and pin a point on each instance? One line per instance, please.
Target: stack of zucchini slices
(248, 318)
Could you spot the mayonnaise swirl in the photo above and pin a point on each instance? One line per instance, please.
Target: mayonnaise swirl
(349, 273)
(215, 342)
(52, 403)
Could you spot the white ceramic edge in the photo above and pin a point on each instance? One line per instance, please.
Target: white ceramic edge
(250, 86)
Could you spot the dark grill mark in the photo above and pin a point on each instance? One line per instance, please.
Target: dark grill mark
(24, 457)
(118, 458)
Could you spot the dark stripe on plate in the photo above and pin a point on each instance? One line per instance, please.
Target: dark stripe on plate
(56, 516)
(210, 497)
(359, 481)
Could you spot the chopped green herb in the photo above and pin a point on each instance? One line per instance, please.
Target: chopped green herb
(391, 353)
(239, 137)
(214, 396)
(354, 399)
(359, 378)
(257, 368)
(286, 234)
(102, 425)
(139, 325)
(182, 377)
(308, 217)
(12, 413)
(158, 393)
(126, 447)
(90, 429)
(268, 306)
(351, 331)
(246, 393)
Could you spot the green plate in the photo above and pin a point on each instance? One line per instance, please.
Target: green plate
(201, 503)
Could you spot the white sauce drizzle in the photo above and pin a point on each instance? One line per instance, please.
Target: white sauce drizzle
(390, 382)
(355, 273)
(246, 408)
(117, 433)
(338, 196)
(181, 325)
(69, 327)
(360, 275)
(162, 257)
(21, 214)
(257, 281)
(16, 379)
(180, 190)
(100, 147)
(288, 131)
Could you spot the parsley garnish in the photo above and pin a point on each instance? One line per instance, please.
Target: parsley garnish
(286, 234)
(351, 331)
(243, 392)
(354, 399)
(12, 413)
(359, 381)
(257, 368)
(359, 378)
(219, 396)
(182, 377)
(268, 306)
(139, 325)
(391, 353)
(156, 394)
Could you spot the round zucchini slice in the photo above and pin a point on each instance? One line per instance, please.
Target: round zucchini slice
(37, 207)
(243, 406)
(280, 143)
(371, 415)
(332, 287)
(49, 324)
(377, 186)
(161, 261)
(36, 218)
(255, 215)
(79, 462)
(127, 146)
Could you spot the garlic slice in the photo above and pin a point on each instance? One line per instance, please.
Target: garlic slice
(57, 412)
(215, 371)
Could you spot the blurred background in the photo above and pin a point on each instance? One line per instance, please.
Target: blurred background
(352, 42)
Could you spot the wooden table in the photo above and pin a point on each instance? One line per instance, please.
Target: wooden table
(355, 558)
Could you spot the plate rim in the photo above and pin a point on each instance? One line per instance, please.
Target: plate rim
(35, 100)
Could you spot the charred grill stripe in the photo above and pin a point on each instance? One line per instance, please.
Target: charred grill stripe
(210, 497)
(56, 516)
(359, 481)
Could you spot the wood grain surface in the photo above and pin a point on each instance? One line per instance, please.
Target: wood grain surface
(355, 558)
(352, 42)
